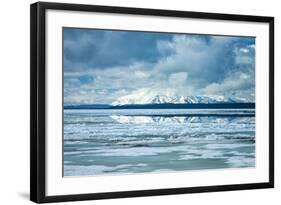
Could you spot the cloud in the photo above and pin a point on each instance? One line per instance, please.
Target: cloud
(178, 79)
(183, 65)
(85, 49)
(245, 55)
(237, 82)
(204, 59)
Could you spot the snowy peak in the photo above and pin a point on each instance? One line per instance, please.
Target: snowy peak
(160, 99)
(163, 99)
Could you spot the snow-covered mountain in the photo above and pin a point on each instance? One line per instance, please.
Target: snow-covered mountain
(162, 99)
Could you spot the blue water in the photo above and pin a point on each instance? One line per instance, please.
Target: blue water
(136, 141)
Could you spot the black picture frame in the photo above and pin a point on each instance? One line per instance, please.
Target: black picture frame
(38, 101)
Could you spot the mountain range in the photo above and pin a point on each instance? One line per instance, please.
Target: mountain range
(141, 101)
(174, 99)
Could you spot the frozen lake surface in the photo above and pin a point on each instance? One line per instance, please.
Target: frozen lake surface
(142, 140)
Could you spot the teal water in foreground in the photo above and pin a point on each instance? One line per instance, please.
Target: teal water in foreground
(130, 141)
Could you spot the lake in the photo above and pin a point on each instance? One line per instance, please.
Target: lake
(126, 141)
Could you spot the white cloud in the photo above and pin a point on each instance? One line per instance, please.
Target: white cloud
(233, 85)
(195, 66)
(178, 79)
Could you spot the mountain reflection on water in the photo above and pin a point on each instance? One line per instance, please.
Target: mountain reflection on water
(137, 141)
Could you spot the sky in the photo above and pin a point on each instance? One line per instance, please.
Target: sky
(101, 66)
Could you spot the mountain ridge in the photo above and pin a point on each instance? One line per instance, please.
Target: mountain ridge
(166, 106)
(174, 99)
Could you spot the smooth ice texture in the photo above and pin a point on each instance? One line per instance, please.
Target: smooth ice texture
(143, 140)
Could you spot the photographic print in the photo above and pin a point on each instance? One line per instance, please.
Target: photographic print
(151, 102)
(133, 102)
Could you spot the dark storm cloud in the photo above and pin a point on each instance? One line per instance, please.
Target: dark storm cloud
(88, 48)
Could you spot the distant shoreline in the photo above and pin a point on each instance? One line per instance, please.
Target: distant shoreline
(165, 106)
